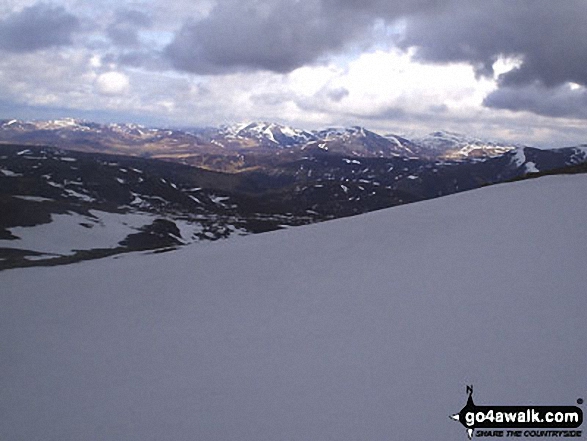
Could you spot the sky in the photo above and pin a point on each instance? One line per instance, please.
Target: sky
(495, 69)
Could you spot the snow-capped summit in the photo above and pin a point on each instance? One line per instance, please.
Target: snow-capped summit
(70, 125)
(277, 134)
(458, 146)
(343, 133)
(64, 123)
(133, 129)
(533, 160)
(358, 141)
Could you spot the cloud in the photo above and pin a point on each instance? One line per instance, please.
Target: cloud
(385, 9)
(562, 101)
(548, 40)
(392, 65)
(549, 37)
(124, 31)
(337, 94)
(282, 35)
(438, 108)
(273, 35)
(385, 114)
(112, 83)
(37, 27)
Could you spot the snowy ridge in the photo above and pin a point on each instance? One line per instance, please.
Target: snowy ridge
(580, 154)
(333, 133)
(358, 141)
(459, 146)
(272, 337)
(72, 125)
(519, 158)
(219, 148)
(275, 133)
(61, 124)
(181, 145)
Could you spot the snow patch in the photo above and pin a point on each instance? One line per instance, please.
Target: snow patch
(80, 196)
(33, 198)
(218, 199)
(531, 168)
(64, 234)
(9, 173)
(519, 158)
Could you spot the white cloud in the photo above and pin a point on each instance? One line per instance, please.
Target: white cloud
(95, 61)
(504, 65)
(112, 83)
(381, 80)
(377, 86)
(32, 78)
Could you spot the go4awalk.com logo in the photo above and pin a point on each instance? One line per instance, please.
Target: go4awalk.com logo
(519, 421)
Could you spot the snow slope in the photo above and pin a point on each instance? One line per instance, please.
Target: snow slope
(366, 328)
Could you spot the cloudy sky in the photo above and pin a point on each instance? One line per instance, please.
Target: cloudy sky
(502, 69)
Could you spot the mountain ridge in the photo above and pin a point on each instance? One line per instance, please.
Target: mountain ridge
(170, 204)
(230, 145)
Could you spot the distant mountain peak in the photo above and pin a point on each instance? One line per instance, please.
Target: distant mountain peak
(274, 133)
(454, 145)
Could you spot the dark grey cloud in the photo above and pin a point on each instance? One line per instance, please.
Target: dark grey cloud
(279, 35)
(385, 8)
(559, 101)
(550, 37)
(337, 94)
(275, 35)
(37, 27)
(386, 114)
(124, 31)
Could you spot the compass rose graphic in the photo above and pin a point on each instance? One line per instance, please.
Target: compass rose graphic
(469, 407)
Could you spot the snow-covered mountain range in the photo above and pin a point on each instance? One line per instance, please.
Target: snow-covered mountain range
(232, 142)
(360, 328)
(61, 206)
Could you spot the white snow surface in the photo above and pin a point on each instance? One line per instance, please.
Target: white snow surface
(365, 328)
(9, 173)
(531, 168)
(33, 198)
(519, 157)
(65, 234)
(289, 131)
